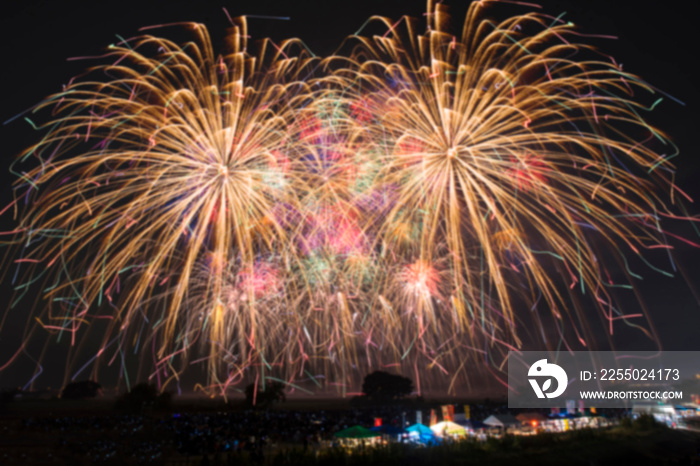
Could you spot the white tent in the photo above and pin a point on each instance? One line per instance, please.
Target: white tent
(661, 412)
(501, 420)
(445, 428)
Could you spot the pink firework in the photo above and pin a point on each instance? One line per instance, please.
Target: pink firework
(259, 280)
(421, 278)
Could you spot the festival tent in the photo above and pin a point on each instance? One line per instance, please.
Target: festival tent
(471, 425)
(422, 433)
(356, 432)
(356, 436)
(501, 420)
(529, 418)
(448, 428)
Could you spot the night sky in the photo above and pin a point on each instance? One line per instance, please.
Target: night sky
(656, 43)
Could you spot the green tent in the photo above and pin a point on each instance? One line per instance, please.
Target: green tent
(357, 432)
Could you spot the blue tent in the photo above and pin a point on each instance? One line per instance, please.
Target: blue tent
(425, 435)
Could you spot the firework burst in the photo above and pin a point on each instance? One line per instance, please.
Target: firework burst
(511, 156)
(406, 209)
(168, 155)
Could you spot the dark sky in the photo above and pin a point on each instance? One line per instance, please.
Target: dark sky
(657, 43)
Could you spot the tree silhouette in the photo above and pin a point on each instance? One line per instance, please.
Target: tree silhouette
(144, 397)
(81, 390)
(273, 393)
(7, 397)
(382, 386)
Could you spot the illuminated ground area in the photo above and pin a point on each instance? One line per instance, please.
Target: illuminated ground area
(96, 434)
